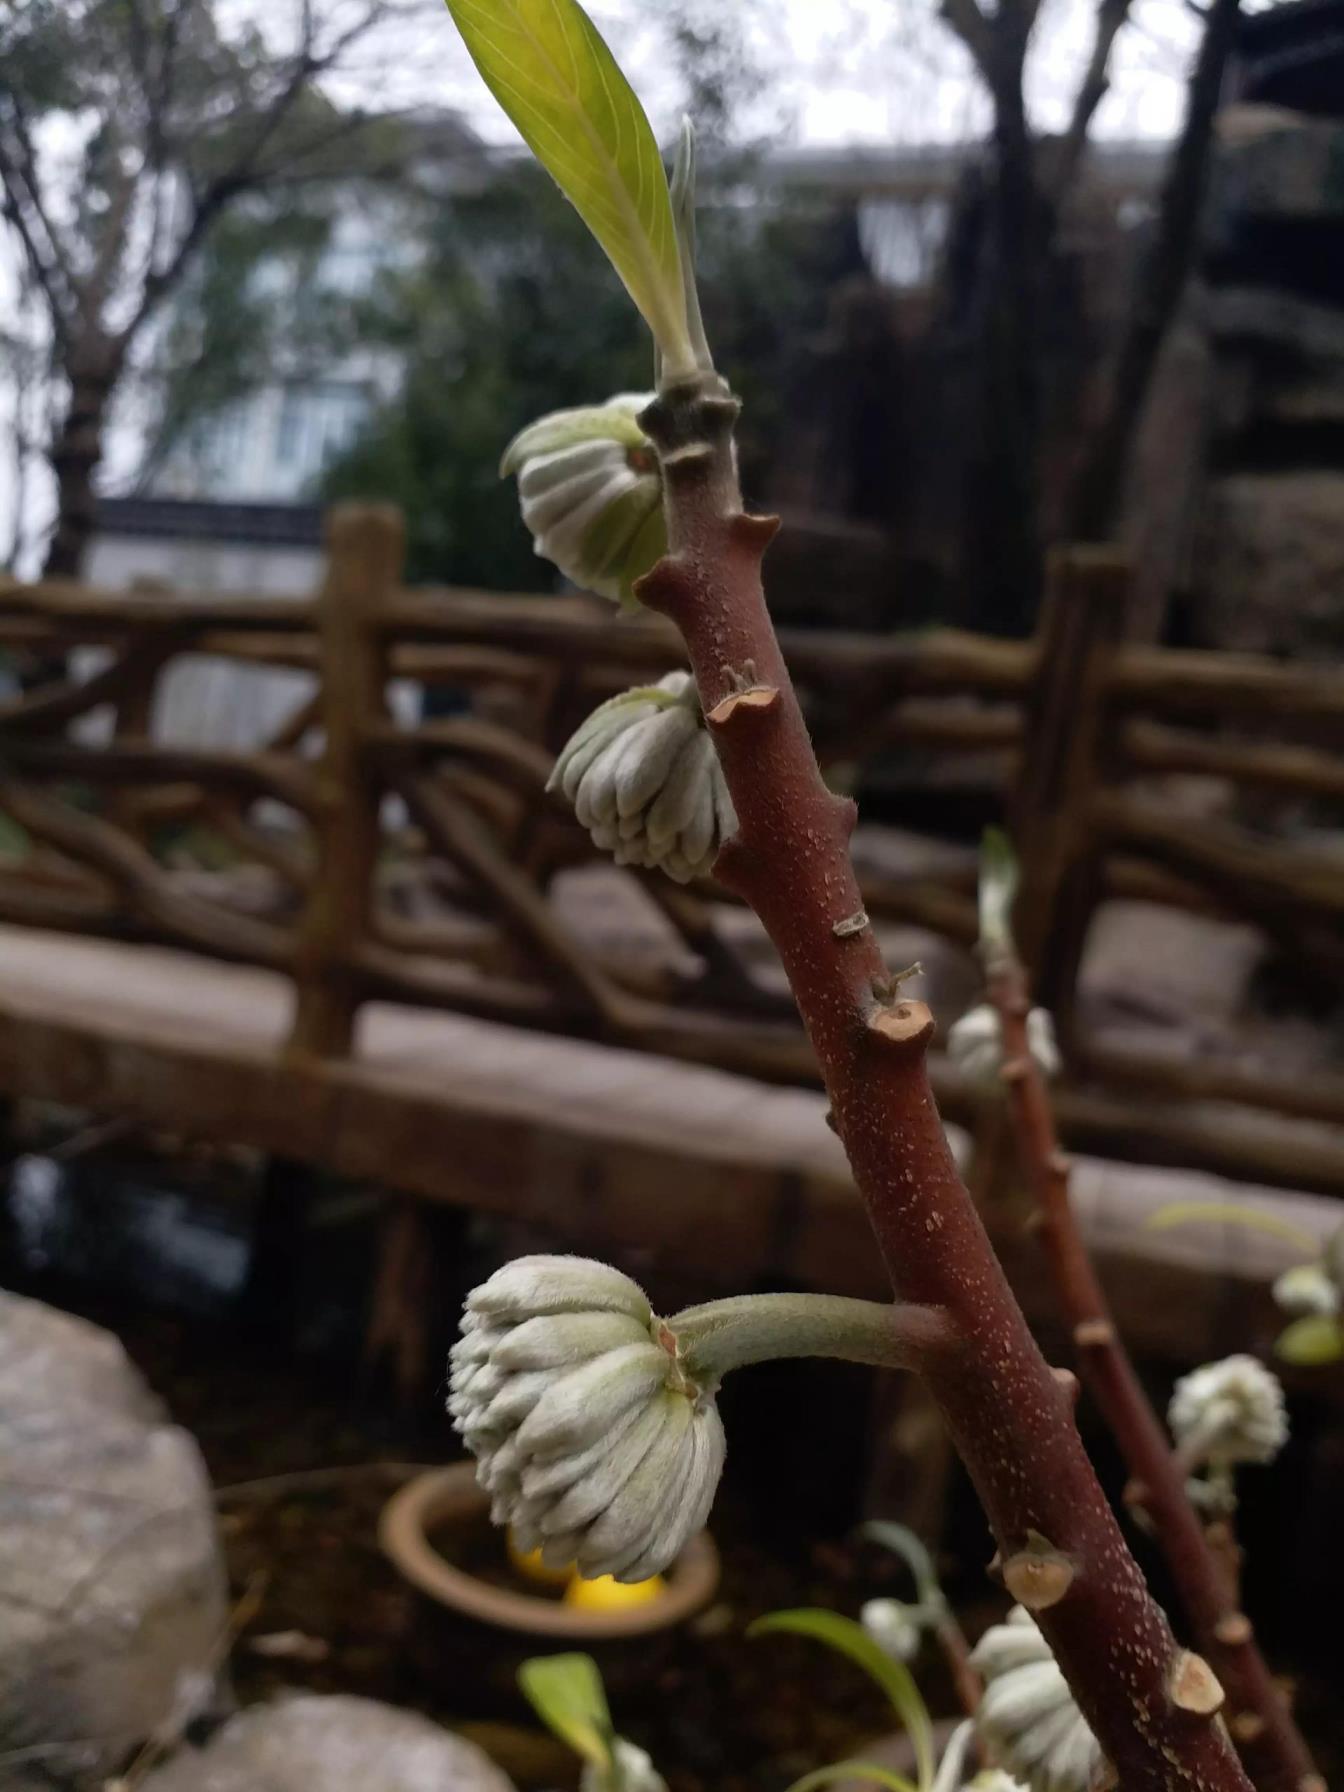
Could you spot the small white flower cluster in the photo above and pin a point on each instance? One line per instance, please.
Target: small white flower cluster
(591, 493)
(646, 782)
(975, 1045)
(594, 1444)
(1308, 1290)
(1228, 1412)
(1028, 1718)
(631, 1770)
(894, 1626)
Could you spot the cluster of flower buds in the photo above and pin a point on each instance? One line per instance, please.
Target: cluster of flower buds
(646, 782)
(1313, 1294)
(592, 1440)
(591, 493)
(1028, 1718)
(975, 1045)
(1223, 1414)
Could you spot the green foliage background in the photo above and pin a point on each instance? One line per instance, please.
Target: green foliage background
(513, 312)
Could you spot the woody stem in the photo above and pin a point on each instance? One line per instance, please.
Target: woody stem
(1009, 1416)
(1258, 1715)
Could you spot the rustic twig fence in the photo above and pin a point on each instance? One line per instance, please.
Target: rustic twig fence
(1079, 734)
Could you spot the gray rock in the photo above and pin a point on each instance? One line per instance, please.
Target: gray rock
(312, 1743)
(52, 1360)
(1279, 164)
(1268, 572)
(112, 1589)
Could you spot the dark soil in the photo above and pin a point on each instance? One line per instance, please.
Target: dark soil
(715, 1710)
(304, 1454)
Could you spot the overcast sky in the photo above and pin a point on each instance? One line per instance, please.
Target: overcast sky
(862, 71)
(835, 72)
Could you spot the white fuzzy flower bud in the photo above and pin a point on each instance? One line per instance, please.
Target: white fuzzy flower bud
(1228, 1412)
(1028, 1717)
(593, 1442)
(646, 782)
(631, 1770)
(1307, 1289)
(591, 493)
(894, 1626)
(975, 1045)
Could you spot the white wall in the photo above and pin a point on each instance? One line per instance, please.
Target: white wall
(205, 702)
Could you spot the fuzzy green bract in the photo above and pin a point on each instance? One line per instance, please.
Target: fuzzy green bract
(546, 64)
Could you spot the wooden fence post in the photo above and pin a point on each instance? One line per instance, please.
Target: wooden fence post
(1082, 622)
(364, 560)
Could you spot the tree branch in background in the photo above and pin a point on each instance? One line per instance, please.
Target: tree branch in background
(1159, 285)
(974, 29)
(1258, 1714)
(1111, 15)
(177, 109)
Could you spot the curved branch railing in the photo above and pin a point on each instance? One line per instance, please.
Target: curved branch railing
(1077, 732)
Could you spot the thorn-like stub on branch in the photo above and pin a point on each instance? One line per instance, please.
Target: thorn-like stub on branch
(1040, 1575)
(1068, 1381)
(737, 705)
(832, 1122)
(691, 457)
(1311, 1782)
(1193, 1686)
(753, 532)
(1233, 1629)
(1093, 1334)
(721, 410)
(1249, 1726)
(666, 586)
(903, 1024)
(1014, 1070)
(1060, 1163)
(851, 924)
(994, 1566)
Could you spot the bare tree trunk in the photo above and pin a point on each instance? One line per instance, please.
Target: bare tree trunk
(75, 453)
(1007, 501)
(1160, 284)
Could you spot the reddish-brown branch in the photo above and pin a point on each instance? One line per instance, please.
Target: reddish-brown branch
(1009, 1416)
(1258, 1714)
(956, 1653)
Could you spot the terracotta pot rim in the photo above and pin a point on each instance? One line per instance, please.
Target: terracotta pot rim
(443, 1494)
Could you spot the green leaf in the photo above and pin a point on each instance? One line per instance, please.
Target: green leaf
(998, 890)
(903, 1542)
(559, 83)
(853, 1770)
(1312, 1342)
(1185, 1213)
(895, 1679)
(567, 1694)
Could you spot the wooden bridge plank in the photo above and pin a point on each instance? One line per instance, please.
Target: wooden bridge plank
(606, 1149)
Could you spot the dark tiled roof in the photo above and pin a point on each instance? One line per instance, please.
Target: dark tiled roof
(191, 519)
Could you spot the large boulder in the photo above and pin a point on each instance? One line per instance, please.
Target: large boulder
(315, 1743)
(112, 1587)
(1269, 563)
